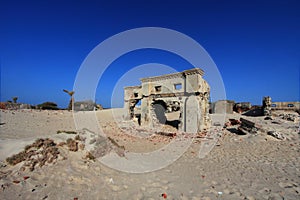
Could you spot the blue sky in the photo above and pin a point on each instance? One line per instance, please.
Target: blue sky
(255, 44)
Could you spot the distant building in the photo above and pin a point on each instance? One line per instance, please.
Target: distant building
(295, 105)
(222, 106)
(242, 107)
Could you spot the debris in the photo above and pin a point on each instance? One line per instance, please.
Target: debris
(16, 181)
(89, 156)
(66, 132)
(39, 153)
(111, 181)
(164, 195)
(234, 122)
(276, 135)
(72, 144)
(267, 106)
(276, 122)
(268, 118)
(247, 127)
(289, 117)
(166, 134)
(217, 124)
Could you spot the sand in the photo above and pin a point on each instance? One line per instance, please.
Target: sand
(239, 166)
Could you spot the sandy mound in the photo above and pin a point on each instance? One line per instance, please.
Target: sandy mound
(65, 166)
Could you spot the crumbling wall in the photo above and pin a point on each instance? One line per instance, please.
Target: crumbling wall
(223, 106)
(267, 106)
(179, 99)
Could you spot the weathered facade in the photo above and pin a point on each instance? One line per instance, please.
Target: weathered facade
(222, 106)
(291, 105)
(267, 106)
(179, 99)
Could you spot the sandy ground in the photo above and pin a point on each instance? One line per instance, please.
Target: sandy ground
(239, 167)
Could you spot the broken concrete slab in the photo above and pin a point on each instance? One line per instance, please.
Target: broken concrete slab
(247, 127)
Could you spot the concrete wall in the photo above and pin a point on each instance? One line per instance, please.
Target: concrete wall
(285, 105)
(223, 106)
(187, 90)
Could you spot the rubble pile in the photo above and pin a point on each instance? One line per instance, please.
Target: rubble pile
(277, 135)
(43, 152)
(104, 146)
(289, 117)
(40, 153)
(232, 122)
(247, 127)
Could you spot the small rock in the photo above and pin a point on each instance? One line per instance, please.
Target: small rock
(276, 135)
(285, 185)
(264, 191)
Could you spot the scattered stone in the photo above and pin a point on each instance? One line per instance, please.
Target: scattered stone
(2, 164)
(289, 117)
(72, 144)
(234, 122)
(166, 134)
(268, 118)
(247, 127)
(89, 156)
(277, 135)
(285, 185)
(16, 181)
(217, 124)
(39, 153)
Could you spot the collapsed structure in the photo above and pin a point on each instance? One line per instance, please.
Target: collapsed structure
(267, 106)
(179, 99)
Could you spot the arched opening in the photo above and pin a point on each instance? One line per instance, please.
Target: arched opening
(160, 109)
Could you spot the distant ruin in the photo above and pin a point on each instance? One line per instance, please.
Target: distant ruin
(179, 99)
(267, 106)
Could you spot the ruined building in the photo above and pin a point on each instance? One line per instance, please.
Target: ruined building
(267, 106)
(179, 99)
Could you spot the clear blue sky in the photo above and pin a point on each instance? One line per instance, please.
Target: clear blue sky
(255, 44)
